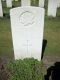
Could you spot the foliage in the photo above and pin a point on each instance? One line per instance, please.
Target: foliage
(26, 69)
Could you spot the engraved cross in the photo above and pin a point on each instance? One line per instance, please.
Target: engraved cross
(27, 45)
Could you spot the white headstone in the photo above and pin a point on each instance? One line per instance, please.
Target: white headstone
(27, 24)
(1, 11)
(52, 8)
(16, 0)
(25, 2)
(41, 3)
(9, 3)
(3, 0)
(58, 3)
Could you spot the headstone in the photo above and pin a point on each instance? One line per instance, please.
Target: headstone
(58, 3)
(1, 11)
(27, 24)
(9, 3)
(16, 0)
(41, 3)
(25, 2)
(52, 8)
(3, 0)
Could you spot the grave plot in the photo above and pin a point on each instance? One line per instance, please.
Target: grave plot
(16, 0)
(9, 3)
(41, 3)
(58, 3)
(1, 10)
(52, 8)
(25, 2)
(27, 26)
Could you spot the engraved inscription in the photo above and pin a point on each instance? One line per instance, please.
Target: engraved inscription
(27, 18)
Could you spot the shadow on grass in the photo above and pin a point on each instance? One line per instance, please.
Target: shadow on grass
(43, 47)
(53, 72)
(6, 15)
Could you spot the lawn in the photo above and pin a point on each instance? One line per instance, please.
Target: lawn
(51, 32)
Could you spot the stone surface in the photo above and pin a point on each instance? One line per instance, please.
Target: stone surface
(27, 25)
(58, 3)
(3, 0)
(16, 0)
(1, 10)
(52, 8)
(25, 2)
(9, 3)
(41, 3)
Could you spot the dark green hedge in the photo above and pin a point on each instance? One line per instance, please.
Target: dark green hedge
(26, 69)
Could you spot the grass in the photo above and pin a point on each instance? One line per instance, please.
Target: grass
(51, 32)
(5, 37)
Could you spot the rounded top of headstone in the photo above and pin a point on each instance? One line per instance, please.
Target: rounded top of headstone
(26, 18)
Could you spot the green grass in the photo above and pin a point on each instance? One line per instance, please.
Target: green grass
(51, 32)
(5, 38)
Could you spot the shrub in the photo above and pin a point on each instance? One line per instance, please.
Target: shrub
(26, 69)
